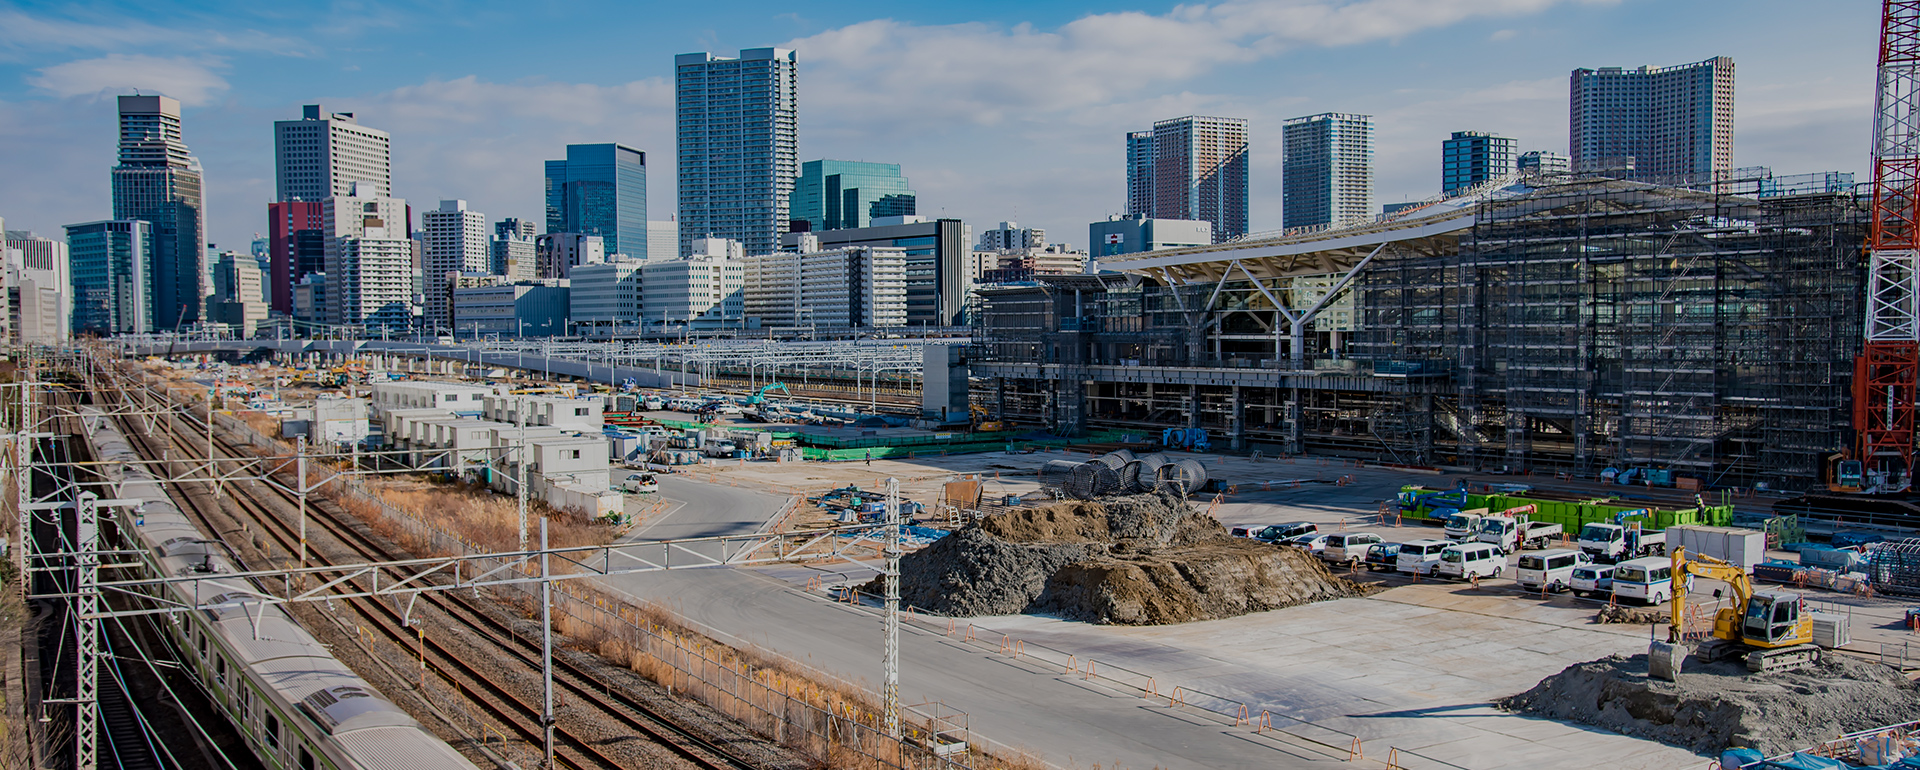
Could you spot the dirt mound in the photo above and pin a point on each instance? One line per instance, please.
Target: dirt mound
(1619, 613)
(1720, 705)
(1139, 560)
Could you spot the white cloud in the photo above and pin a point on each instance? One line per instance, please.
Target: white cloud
(27, 32)
(1503, 34)
(191, 80)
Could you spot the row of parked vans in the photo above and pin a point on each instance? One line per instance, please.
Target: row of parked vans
(1648, 580)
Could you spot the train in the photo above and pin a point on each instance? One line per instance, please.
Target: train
(297, 706)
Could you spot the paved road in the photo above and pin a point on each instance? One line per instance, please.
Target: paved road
(1024, 705)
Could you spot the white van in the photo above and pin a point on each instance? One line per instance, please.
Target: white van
(1552, 569)
(1421, 556)
(1465, 561)
(1592, 579)
(1348, 547)
(1649, 579)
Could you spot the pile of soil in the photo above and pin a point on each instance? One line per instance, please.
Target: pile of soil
(1137, 560)
(1720, 705)
(1620, 613)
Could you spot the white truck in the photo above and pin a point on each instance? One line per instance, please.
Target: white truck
(1465, 524)
(718, 448)
(1513, 530)
(1615, 542)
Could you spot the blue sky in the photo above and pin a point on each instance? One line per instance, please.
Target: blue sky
(997, 110)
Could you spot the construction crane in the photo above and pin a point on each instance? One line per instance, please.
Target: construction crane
(1771, 628)
(1886, 376)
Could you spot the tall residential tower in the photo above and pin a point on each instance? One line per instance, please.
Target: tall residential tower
(1327, 174)
(737, 154)
(158, 181)
(600, 189)
(1666, 124)
(1191, 168)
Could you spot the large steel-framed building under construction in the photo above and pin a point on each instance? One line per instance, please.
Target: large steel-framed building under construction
(1535, 326)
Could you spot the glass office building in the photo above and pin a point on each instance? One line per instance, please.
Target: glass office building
(1473, 157)
(601, 189)
(112, 264)
(844, 194)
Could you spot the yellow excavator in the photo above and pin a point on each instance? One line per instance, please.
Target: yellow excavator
(1771, 628)
(980, 421)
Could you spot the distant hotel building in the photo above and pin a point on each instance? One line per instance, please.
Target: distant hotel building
(1474, 157)
(736, 146)
(1327, 174)
(600, 189)
(1666, 124)
(1191, 168)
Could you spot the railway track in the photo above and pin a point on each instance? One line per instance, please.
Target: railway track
(272, 512)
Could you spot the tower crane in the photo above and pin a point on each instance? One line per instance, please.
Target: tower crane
(1886, 382)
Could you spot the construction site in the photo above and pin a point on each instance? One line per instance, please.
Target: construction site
(1541, 326)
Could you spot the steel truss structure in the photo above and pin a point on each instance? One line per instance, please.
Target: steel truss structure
(1887, 377)
(1575, 326)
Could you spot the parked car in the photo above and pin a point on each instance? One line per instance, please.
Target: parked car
(1279, 532)
(1420, 557)
(1466, 561)
(639, 482)
(1383, 556)
(1592, 580)
(1313, 542)
(1246, 530)
(1551, 569)
(1348, 547)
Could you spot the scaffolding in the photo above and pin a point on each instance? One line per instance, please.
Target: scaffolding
(1566, 327)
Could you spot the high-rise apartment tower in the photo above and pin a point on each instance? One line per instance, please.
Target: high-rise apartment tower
(1191, 168)
(737, 153)
(1667, 124)
(456, 242)
(159, 181)
(1327, 174)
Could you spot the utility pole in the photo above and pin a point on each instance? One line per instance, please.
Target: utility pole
(546, 643)
(213, 475)
(300, 467)
(520, 483)
(891, 658)
(86, 716)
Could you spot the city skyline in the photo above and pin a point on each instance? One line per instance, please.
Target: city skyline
(983, 146)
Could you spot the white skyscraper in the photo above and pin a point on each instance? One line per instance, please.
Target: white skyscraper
(369, 259)
(456, 241)
(321, 154)
(1327, 174)
(737, 145)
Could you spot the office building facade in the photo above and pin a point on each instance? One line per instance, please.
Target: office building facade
(557, 254)
(1667, 124)
(536, 309)
(1327, 172)
(236, 301)
(111, 263)
(1126, 235)
(322, 153)
(604, 300)
(1543, 163)
(296, 247)
(697, 292)
(938, 257)
(40, 281)
(1010, 236)
(736, 145)
(1191, 168)
(812, 288)
(513, 249)
(455, 241)
(159, 181)
(844, 194)
(600, 189)
(1469, 158)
